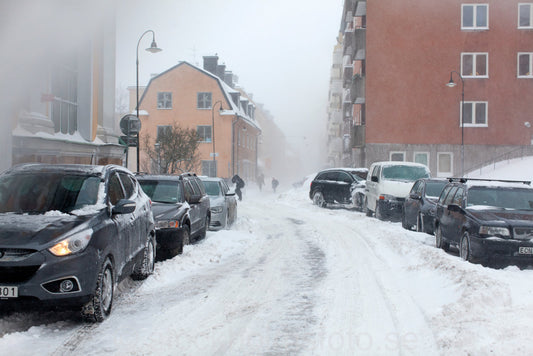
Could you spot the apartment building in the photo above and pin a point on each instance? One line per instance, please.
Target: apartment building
(398, 57)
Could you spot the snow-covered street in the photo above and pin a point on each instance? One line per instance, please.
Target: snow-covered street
(292, 278)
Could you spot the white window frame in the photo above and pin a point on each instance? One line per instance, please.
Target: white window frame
(203, 137)
(473, 124)
(391, 153)
(530, 75)
(165, 98)
(474, 64)
(416, 153)
(530, 26)
(474, 20)
(442, 173)
(204, 100)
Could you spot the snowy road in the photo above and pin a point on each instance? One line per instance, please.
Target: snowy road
(292, 278)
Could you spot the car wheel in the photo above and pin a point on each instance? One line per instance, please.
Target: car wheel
(420, 223)
(146, 267)
(318, 199)
(203, 233)
(405, 225)
(464, 248)
(99, 307)
(367, 211)
(439, 242)
(379, 212)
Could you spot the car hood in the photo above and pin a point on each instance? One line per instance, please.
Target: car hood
(396, 188)
(509, 217)
(35, 231)
(216, 200)
(164, 211)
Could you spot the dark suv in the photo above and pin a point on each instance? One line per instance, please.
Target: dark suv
(70, 233)
(488, 220)
(341, 186)
(181, 210)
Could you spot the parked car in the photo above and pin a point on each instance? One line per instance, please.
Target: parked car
(490, 221)
(223, 202)
(341, 186)
(387, 186)
(181, 210)
(420, 205)
(70, 233)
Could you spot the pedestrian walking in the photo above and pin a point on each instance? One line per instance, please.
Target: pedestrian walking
(275, 184)
(239, 184)
(260, 181)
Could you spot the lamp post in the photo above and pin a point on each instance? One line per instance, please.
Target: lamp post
(452, 84)
(213, 134)
(153, 49)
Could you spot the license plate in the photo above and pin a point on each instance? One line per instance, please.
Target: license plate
(9, 292)
(525, 250)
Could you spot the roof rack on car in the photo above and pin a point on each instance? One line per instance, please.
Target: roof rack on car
(464, 180)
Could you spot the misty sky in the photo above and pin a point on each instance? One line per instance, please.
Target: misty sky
(281, 50)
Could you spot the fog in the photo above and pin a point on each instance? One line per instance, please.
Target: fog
(281, 52)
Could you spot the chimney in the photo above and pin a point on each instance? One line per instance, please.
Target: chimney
(221, 69)
(211, 63)
(228, 78)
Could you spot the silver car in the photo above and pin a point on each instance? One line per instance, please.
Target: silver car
(223, 202)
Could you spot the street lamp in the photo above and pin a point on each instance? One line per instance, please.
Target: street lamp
(213, 134)
(153, 49)
(452, 84)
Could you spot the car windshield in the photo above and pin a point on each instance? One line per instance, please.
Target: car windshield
(212, 188)
(507, 198)
(43, 192)
(405, 173)
(162, 191)
(433, 189)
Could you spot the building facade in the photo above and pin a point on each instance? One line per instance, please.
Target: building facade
(398, 57)
(206, 100)
(58, 86)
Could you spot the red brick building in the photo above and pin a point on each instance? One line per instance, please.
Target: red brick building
(397, 59)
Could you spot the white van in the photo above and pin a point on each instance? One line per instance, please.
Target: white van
(387, 186)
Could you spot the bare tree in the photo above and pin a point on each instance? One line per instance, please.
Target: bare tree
(175, 150)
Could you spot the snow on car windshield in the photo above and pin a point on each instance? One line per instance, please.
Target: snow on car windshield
(44, 192)
(507, 198)
(406, 173)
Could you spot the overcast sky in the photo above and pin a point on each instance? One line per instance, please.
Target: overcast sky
(281, 50)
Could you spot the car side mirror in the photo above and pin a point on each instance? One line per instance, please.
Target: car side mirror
(194, 199)
(230, 193)
(124, 206)
(415, 196)
(374, 179)
(454, 208)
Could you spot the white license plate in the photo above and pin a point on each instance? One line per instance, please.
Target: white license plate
(9, 292)
(525, 250)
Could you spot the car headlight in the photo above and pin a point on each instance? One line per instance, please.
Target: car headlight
(216, 209)
(387, 197)
(167, 224)
(494, 231)
(72, 244)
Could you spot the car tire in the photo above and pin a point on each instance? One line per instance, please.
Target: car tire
(379, 213)
(203, 232)
(99, 307)
(420, 223)
(405, 225)
(367, 211)
(146, 267)
(464, 248)
(439, 241)
(318, 199)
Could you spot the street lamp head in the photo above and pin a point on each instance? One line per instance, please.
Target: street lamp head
(451, 83)
(153, 48)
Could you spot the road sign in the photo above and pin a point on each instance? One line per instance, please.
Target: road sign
(214, 154)
(130, 125)
(130, 141)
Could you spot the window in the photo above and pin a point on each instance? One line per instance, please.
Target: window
(204, 101)
(397, 156)
(209, 168)
(422, 157)
(64, 88)
(458, 197)
(474, 65)
(444, 164)
(164, 100)
(204, 133)
(475, 113)
(114, 190)
(525, 65)
(128, 184)
(525, 15)
(475, 17)
(163, 130)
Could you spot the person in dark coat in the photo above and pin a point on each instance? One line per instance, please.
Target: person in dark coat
(275, 184)
(239, 184)
(260, 181)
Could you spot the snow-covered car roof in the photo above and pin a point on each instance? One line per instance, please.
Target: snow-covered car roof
(74, 168)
